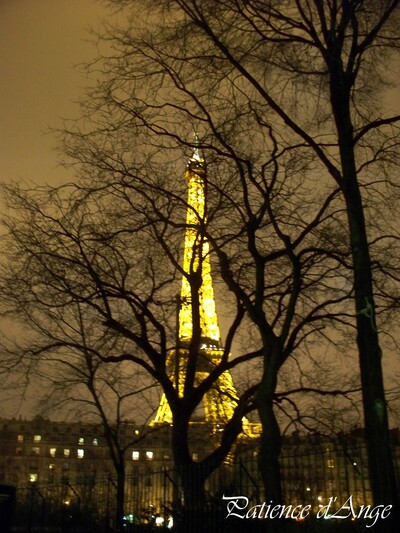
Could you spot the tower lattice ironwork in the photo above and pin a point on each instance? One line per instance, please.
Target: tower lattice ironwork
(219, 402)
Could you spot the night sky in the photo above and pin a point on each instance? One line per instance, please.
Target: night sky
(41, 44)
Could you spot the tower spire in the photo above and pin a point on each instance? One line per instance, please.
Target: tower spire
(196, 152)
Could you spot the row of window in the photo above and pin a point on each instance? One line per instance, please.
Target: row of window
(136, 455)
(38, 438)
(35, 450)
(34, 478)
(80, 453)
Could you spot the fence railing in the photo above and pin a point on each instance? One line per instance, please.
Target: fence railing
(153, 498)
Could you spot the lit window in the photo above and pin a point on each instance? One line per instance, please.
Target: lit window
(80, 453)
(37, 438)
(53, 452)
(81, 441)
(67, 452)
(135, 456)
(20, 438)
(137, 432)
(35, 450)
(331, 463)
(195, 456)
(95, 442)
(52, 466)
(149, 456)
(33, 477)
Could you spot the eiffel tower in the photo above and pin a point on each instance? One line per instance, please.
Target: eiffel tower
(219, 403)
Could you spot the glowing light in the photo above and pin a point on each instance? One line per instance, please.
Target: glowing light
(220, 402)
(197, 257)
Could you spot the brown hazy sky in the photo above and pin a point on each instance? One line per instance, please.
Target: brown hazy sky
(41, 42)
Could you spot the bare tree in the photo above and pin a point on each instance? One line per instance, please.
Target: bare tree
(96, 289)
(81, 381)
(314, 72)
(108, 252)
(64, 349)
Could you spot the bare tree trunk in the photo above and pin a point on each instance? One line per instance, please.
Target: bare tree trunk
(197, 513)
(194, 505)
(270, 439)
(119, 515)
(381, 466)
(191, 476)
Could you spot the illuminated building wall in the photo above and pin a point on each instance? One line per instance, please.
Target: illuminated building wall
(315, 468)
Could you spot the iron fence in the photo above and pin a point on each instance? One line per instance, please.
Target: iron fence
(153, 499)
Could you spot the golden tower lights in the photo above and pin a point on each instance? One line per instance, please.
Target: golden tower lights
(219, 402)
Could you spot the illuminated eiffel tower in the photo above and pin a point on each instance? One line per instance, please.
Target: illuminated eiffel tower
(219, 403)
